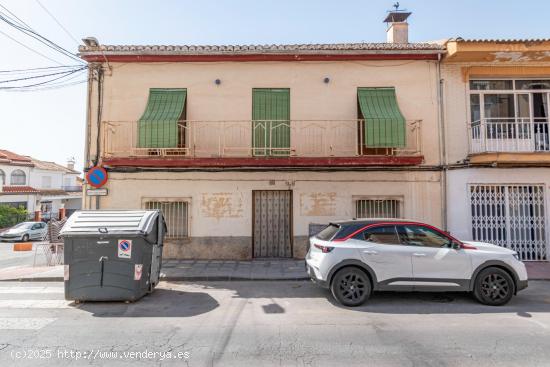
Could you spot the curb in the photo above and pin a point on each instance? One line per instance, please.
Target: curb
(172, 279)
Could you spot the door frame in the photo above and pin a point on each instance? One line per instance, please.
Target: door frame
(291, 224)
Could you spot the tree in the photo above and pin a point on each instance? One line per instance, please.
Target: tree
(10, 216)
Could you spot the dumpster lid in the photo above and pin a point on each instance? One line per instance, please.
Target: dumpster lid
(86, 222)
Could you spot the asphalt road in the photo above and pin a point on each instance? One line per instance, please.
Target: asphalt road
(271, 324)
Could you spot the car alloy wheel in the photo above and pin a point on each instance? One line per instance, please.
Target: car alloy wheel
(351, 286)
(25, 238)
(494, 287)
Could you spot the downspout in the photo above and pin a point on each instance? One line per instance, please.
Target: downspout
(442, 143)
(88, 131)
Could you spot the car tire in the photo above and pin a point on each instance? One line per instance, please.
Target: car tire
(25, 238)
(494, 287)
(351, 286)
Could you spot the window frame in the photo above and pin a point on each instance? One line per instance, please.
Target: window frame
(430, 228)
(399, 199)
(361, 235)
(186, 200)
(2, 177)
(23, 174)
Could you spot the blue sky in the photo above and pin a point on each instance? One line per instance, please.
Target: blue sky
(50, 124)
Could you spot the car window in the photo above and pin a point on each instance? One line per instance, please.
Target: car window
(422, 236)
(384, 234)
(328, 232)
(35, 226)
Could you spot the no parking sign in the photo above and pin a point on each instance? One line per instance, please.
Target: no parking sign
(96, 177)
(125, 249)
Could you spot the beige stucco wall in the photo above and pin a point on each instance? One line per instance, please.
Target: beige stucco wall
(127, 88)
(220, 204)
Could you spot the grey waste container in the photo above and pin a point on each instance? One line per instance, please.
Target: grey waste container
(112, 255)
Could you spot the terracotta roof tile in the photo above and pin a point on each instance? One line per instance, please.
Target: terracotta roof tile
(15, 189)
(12, 158)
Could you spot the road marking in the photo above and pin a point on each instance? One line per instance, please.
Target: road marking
(24, 323)
(23, 290)
(35, 303)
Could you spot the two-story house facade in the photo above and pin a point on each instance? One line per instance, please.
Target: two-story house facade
(39, 186)
(497, 147)
(245, 147)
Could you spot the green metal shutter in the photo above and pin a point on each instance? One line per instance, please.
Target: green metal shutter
(384, 124)
(271, 125)
(158, 126)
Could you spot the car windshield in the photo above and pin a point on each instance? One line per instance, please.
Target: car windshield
(24, 225)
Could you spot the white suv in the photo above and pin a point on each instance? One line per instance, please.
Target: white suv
(354, 258)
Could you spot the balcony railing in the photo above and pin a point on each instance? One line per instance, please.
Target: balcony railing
(295, 138)
(525, 135)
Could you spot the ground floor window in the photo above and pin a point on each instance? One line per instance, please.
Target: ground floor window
(378, 208)
(511, 216)
(175, 214)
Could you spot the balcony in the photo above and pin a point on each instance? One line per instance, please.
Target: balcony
(263, 143)
(509, 140)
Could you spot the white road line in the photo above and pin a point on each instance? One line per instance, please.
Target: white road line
(25, 290)
(24, 323)
(35, 303)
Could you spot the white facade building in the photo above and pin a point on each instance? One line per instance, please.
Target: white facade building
(38, 185)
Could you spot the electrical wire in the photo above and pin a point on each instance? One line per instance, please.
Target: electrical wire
(30, 49)
(41, 83)
(27, 30)
(41, 76)
(43, 88)
(58, 22)
(38, 70)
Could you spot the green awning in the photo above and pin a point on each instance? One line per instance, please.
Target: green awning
(271, 121)
(384, 124)
(158, 126)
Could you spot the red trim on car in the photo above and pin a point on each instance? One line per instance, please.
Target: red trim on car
(467, 247)
(256, 57)
(398, 224)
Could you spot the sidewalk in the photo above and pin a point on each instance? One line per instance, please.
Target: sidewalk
(218, 270)
(184, 270)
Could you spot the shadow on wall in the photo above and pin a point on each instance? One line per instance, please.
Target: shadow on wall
(161, 303)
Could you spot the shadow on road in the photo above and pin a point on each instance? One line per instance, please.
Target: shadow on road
(161, 303)
(534, 299)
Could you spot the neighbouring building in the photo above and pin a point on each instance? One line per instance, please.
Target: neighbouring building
(39, 185)
(497, 148)
(247, 148)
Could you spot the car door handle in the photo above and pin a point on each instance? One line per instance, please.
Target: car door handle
(419, 254)
(370, 252)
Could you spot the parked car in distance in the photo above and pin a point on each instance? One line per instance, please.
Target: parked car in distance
(353, 258)
(24, 231)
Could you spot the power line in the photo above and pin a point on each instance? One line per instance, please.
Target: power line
(30, 49)
(57, 21)
(15, 16)
(40, 76)
(37, 70)
(37, 89)
(31, 33)
(41, 83)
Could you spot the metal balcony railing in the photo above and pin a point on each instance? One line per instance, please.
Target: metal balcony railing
(266, 138)
(509, 135)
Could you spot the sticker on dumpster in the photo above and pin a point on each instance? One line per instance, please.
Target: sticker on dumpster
(125, 249)
(138, 269)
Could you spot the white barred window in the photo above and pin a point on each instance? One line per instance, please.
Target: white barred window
(378, 208)
(175, 214)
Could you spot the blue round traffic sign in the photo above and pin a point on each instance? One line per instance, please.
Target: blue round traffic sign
(96, 177)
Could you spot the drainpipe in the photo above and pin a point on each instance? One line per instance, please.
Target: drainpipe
(442, 143)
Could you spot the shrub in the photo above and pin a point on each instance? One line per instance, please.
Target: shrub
(10, 216)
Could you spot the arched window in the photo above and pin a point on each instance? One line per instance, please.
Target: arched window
(18, 177)
(2, 177)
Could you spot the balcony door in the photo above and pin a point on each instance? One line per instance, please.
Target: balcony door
(271, 122)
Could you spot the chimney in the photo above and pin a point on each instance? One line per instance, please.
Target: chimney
(398, 28)
(70, 163)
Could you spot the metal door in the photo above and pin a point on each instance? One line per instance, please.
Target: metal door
(511, 216)
(272, 234)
